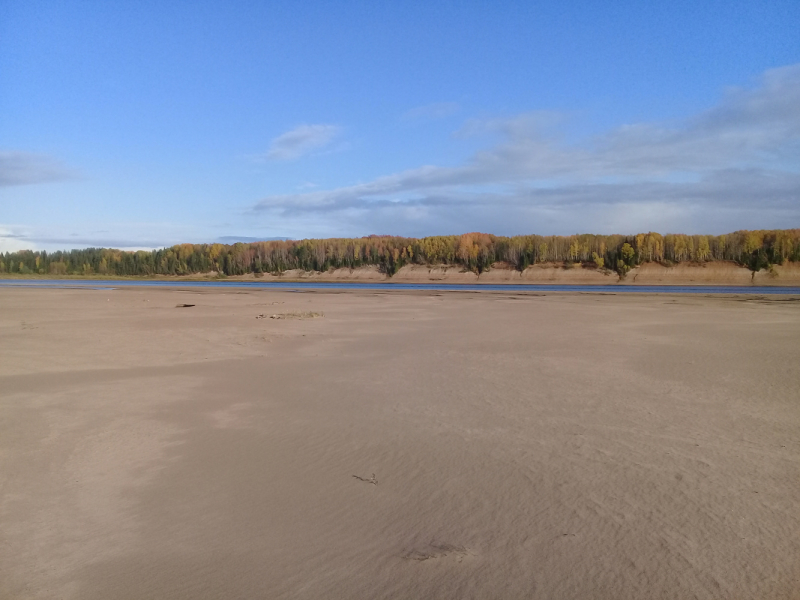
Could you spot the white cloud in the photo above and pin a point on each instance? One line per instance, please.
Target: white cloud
(301, 141)
(741, 157)
(25, 168)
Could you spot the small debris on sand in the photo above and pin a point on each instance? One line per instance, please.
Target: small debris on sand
(184, 305)
(373, 480)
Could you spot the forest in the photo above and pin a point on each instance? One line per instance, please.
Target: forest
(476, 252)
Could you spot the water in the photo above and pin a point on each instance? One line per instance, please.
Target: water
(624, 289)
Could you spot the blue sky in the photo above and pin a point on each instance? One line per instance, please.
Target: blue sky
(143, 124)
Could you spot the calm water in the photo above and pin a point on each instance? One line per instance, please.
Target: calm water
(625, 289)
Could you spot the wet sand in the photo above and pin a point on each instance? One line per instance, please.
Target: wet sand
(506, 445)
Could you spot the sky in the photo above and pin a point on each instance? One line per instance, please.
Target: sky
(145, 124)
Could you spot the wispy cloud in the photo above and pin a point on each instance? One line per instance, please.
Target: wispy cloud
(141, 236)
(27, 168)
(12, 240)
(742, 154)
(81, 241)
(127, 235)
(301, 140)
(438, 110)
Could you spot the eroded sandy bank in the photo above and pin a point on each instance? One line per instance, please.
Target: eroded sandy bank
(715, 273)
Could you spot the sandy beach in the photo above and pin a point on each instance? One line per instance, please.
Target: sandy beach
(387, 444)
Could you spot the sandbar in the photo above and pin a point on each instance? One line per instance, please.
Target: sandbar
(393, 444)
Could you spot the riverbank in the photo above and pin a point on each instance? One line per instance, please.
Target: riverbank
(682, 274)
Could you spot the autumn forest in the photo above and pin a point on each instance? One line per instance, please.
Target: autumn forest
(472, 251)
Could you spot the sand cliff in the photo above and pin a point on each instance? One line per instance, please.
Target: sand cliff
(712, 273)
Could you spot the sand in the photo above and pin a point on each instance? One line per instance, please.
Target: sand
(523, 445)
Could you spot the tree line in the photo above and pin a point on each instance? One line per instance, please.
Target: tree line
(476, 252)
